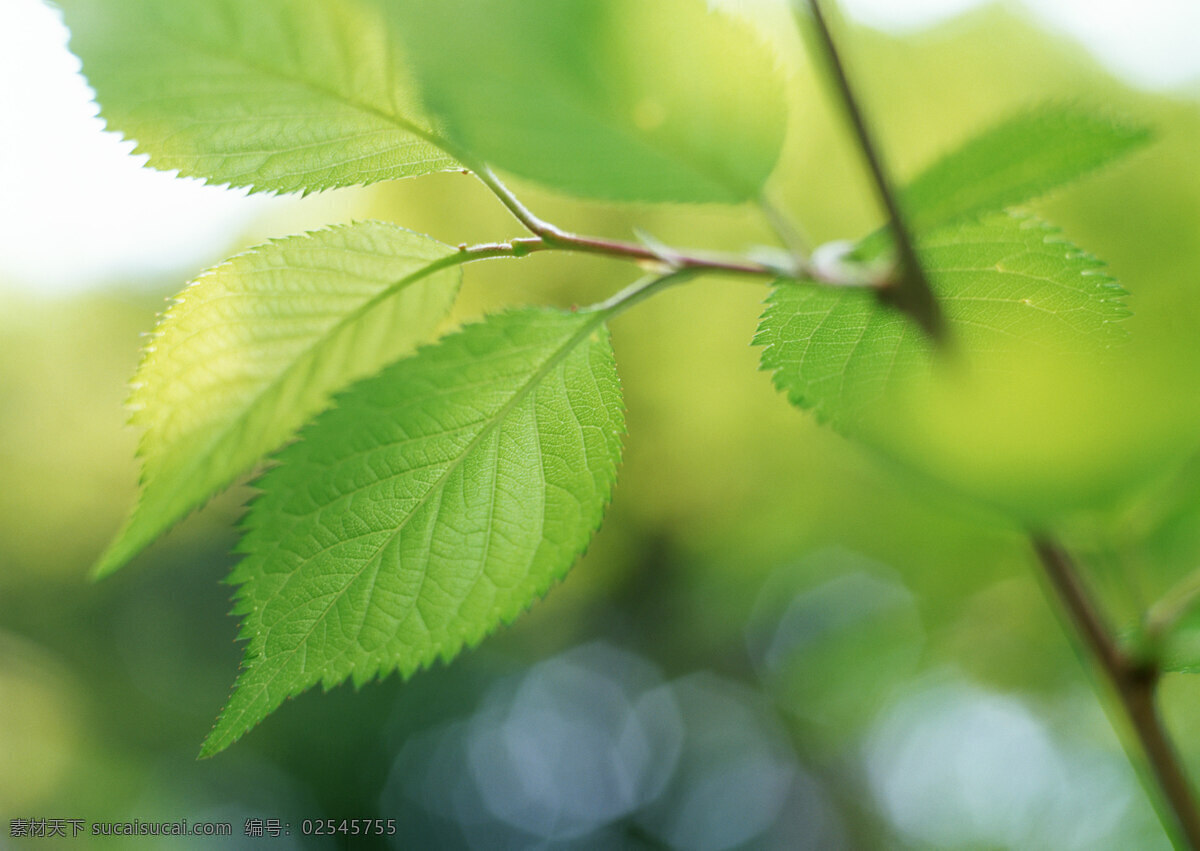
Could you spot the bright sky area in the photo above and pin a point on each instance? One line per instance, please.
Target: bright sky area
(77, 212)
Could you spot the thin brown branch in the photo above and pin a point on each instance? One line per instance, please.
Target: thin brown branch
(619, 250)
(1133, 682)
(553, 237)
(910, 292)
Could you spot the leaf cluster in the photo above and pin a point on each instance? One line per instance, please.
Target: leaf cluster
(421, 490)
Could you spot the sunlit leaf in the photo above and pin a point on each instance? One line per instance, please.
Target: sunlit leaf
(647, 100)
(255, 346)
(283, 95)
(434, 502)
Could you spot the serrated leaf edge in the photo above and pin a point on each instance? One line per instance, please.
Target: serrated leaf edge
(104, 565)
(404, 125)
(464, 642)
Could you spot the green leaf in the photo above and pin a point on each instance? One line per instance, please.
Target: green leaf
(255, 346)
(1006, 282)
(1010, 415)
(637, 100)
(279, 95)
(1017, 160)
(434, 502)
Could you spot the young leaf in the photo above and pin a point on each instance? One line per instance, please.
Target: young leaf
(255, 346)
(436, 501)
(282, 95)
(1015, 161)
(1019, 159)
(636, 100)
(1007, 280)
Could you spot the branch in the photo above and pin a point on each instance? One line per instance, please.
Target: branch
(1133, 682)
(550, 236)
(676, 262)
(911, 292)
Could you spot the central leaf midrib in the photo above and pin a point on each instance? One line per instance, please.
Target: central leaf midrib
(493, 422)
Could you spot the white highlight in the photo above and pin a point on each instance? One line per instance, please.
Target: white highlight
(76, 211)
(1153, 44)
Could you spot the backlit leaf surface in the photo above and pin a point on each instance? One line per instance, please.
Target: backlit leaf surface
(434, 502)
(255, 346)
(282, 95)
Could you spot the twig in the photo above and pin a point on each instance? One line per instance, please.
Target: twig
(911, 292)
(1133, 681)
(553, 237)
(1175, 604)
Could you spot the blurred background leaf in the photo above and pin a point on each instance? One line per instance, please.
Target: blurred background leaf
(624, 100)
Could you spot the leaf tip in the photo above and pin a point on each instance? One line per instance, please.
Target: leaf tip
(115, 556)
(230, 726)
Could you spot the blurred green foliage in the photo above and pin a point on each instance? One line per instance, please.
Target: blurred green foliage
(604, 105)
(735, 517)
